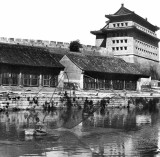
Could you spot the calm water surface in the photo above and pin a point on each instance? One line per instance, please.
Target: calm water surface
(114, 132)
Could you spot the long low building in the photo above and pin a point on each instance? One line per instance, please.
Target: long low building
(28, 66)
(99, 72)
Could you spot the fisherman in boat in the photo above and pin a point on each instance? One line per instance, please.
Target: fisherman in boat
(39, 127)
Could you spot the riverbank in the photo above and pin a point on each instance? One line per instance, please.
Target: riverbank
(26, 98)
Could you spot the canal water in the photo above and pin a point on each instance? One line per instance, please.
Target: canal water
(112, 132)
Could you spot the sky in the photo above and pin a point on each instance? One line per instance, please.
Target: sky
(66, 20)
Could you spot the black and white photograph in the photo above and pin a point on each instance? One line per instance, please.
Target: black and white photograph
(79, 78)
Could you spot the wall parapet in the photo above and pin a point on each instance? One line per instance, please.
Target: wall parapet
(33, 42)
(47, 43)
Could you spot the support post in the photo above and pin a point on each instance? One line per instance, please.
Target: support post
(124, 84)
(139, 85)
(40, 80)
(20, 79)
(82, 80)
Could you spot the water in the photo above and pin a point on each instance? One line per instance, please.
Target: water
(113, 132)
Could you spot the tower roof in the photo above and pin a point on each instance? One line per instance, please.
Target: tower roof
(128, 14)
(29, 56)
(123, 11)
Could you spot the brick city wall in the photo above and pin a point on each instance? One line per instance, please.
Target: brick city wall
(54, 44)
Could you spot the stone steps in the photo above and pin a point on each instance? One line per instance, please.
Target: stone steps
(25, 99)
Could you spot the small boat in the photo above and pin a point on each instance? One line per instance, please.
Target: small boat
(39, 132)
(29, 132)
(35, 132)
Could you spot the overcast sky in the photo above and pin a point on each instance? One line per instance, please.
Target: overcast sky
(66, 20)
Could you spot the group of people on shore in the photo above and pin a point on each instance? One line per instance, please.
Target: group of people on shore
(88, 106)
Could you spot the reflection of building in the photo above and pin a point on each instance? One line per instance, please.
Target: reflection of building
(117, 119)
(143, 119)
(129, 36)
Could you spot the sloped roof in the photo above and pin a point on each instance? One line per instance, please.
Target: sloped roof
(28, 55)
(57, 50)
(123, 11)
(104, 64)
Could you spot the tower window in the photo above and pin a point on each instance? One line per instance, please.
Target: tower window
(126, 24)
(125, 47)
(113, 48)
(117, 48)
(121, 41)
(117, 24)
(117, 41)
(121, 48)
(125, 40)
(114, 25)
(122, 24)
(113, 41)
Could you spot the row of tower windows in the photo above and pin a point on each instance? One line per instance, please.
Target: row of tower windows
(119, 48)
(119, 41)
(125, 24)
(122, 24)
(142, 50)
(145, 29)
(146, 45)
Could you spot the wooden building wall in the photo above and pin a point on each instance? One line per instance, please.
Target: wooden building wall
(13, 75)
(94, 81)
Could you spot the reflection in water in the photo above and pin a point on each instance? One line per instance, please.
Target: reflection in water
(117, 132)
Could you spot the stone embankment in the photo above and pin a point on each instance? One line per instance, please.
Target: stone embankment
(35, 97)
(27, 100)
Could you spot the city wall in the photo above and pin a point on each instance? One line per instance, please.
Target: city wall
(51, 44)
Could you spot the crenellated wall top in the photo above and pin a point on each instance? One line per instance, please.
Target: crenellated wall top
(47, 43)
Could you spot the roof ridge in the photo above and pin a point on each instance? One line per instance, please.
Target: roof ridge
(123, 10)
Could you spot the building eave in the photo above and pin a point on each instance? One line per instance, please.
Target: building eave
(98, 32)
(112, 16)
(127, 28)
(123, 74)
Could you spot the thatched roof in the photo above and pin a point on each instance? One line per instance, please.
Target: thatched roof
(104, 64)
(29, 56)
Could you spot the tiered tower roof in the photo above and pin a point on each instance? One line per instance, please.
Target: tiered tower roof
(128, 14)
(124, 14)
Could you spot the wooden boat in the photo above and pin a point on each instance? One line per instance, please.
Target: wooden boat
(35, 132)
(39, 132)
(29, 132)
